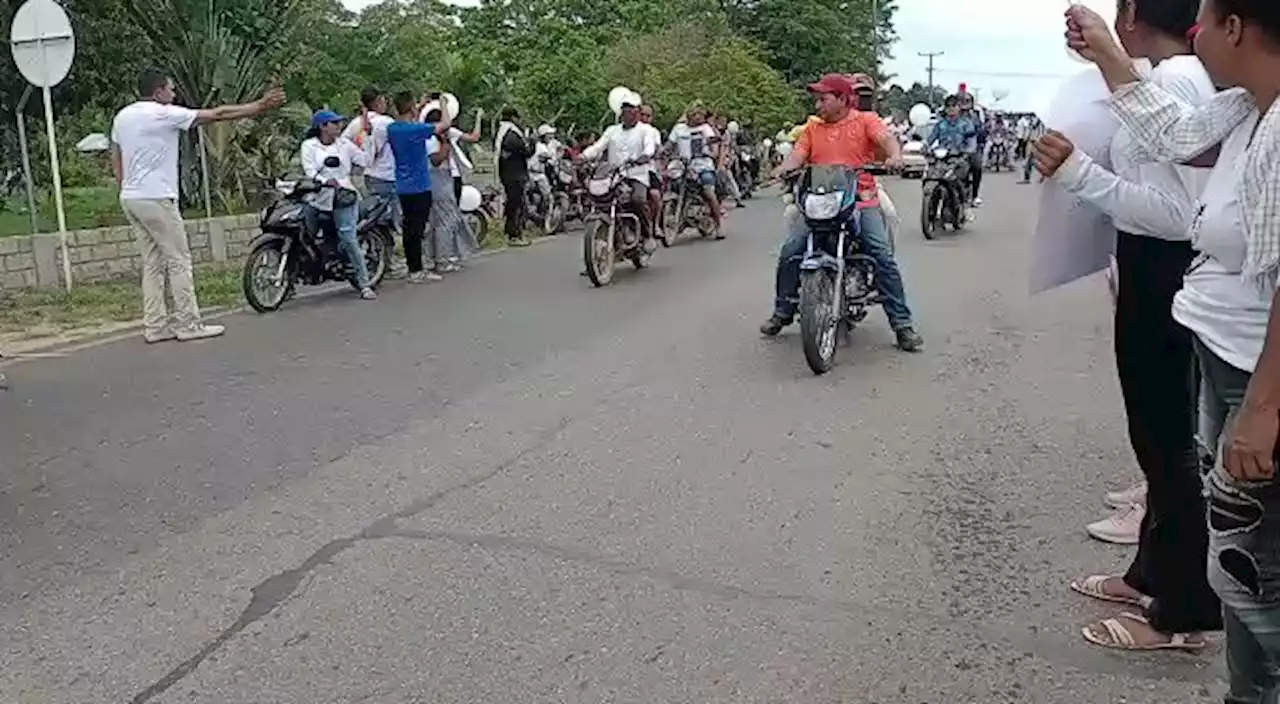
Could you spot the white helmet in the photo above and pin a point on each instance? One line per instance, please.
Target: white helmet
(734, 127)
(546, 130)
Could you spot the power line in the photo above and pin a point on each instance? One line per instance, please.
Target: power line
(931, 55)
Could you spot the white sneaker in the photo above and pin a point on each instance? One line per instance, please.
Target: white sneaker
(163, 335)
(433, 276)
(1122, 528)
(1136, 494)
(200, 332)
(368, 294)
(417, 277)
(977, 202)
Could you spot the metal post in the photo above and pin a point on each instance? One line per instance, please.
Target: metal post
(57, 184)
(204, 174)
(26, 161)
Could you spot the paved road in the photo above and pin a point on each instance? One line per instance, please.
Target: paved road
(510, 487)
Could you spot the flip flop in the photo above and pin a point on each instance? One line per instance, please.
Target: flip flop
(1118, 637)
(1092, 588)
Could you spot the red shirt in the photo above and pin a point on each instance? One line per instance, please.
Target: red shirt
(852, 141)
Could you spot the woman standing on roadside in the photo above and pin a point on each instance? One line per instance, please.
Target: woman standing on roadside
(449, 240)
(1227, 300)
(1152, 206)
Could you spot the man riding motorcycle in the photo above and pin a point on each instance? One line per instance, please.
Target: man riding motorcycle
(545, 154)
(629, 144)
(844, 137)
(695, 141)
(977, 148)
(957, 133)
(655, 176)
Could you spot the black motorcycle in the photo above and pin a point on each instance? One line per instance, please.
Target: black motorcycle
(945, 192)
(747, 170)
(837, 281)
(547, 214)
(287, 253)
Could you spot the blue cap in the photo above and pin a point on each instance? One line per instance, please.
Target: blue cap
(324, 117)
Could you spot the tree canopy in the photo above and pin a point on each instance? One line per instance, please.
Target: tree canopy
(554, 59)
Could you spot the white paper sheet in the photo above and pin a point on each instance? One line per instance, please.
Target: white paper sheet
(1072, 238)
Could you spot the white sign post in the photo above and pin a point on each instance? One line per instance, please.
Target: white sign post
(44, 46)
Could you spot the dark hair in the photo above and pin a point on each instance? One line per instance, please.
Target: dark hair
(951, 101)
(433, 115)
(1264, 13)
(151, 81)
(369, 96)
(1173, 18)
(404, 102)
(509, 113)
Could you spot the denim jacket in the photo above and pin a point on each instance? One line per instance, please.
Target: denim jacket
(958, 135)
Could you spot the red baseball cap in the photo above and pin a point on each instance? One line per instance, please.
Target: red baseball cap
(834, 83)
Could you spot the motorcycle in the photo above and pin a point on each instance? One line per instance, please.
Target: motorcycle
(945, 192)
(548, 214)
(998, 156)
(837, 281)
(568, 191)
(682, 205)
(613, 230)
(286, 253)
(480, 209)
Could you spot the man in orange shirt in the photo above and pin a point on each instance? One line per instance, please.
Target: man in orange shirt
(846, 137)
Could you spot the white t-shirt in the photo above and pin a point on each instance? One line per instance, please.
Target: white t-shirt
(621, 145)
(544, 155)
(459, 164)
(655, 138)
(377, 150)
(314, 154)
(1228, 314)
(146, 133)
(695, 145)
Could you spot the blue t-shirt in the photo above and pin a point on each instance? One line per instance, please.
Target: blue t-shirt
(408, 142)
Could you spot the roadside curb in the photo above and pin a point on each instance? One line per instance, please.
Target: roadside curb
(14, 354)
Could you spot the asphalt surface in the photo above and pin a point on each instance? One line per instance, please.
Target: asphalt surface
(511, 487)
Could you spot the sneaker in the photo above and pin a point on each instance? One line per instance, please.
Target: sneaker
(774, 325)
(1136, 494)
(368, 294)
(398, 269)
(977, 202)
(417, 277)
(451, 268)
(163, 335)
(200, 332)
(909, 340)
(433, 276)
(1122, 528)
(518, 242)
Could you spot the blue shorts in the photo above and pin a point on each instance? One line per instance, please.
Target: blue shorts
(707, 178)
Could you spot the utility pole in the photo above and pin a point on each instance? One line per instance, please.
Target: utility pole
(931, 55)
(875, 39)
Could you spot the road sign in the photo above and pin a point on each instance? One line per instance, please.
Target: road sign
(43, 44)
(44, 47)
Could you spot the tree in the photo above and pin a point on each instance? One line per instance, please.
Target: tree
(897, 101)
(806, 38)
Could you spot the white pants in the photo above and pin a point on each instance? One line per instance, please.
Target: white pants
(892, 221)
(168, 286)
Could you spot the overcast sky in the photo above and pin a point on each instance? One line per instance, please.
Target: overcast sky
(992, 45)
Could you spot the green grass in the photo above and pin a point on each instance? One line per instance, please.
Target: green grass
(46, 312)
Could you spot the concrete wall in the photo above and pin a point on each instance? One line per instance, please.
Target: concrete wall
(112, 252)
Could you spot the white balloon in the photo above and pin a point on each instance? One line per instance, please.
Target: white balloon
(469, 200)
(920, 114)
(617, 97)
(450, 102)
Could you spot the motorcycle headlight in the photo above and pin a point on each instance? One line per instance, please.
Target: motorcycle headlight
(823, 206)
(940, 153)
(598, 187)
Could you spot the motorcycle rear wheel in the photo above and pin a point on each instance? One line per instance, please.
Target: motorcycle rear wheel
(671, 222)
(478, 221)
(819, 324)
(262, 293)
(598, 252)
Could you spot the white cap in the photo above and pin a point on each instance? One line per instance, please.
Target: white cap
(544, 130)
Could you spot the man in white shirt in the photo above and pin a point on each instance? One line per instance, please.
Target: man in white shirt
(629, 143)
(696, 143)
(1022, 131)
(1153, 206)
(369, 132)
(545, 154)
(144, 156)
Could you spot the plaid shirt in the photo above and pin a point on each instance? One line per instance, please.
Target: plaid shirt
(1169, 130)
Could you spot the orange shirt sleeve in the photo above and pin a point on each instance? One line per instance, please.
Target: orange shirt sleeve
(804, 145)
(876, 129)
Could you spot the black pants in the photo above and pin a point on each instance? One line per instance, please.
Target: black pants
(975, 172)
(513, 209)
(457, 188)
(1155, 358)
(417, 213)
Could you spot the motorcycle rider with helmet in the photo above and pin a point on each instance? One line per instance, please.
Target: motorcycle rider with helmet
(847, 137)
(545, 154)
(632, 145)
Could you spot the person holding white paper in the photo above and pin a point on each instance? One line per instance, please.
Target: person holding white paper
(1152, 205)
(1228, 300)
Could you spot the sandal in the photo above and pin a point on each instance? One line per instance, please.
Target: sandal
(1115, 635)
(1092, 587)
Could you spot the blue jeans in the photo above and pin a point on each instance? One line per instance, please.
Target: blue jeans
(1026, 170)
(875, 243)
(1244, 546)
(387, 189)
(344, 221)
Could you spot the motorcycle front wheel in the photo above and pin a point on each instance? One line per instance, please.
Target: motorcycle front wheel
(931, 212)
(819, 322)
(265, 286)
(597, 252)
(478, 222)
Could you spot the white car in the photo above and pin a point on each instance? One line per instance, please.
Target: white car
(914, 163)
